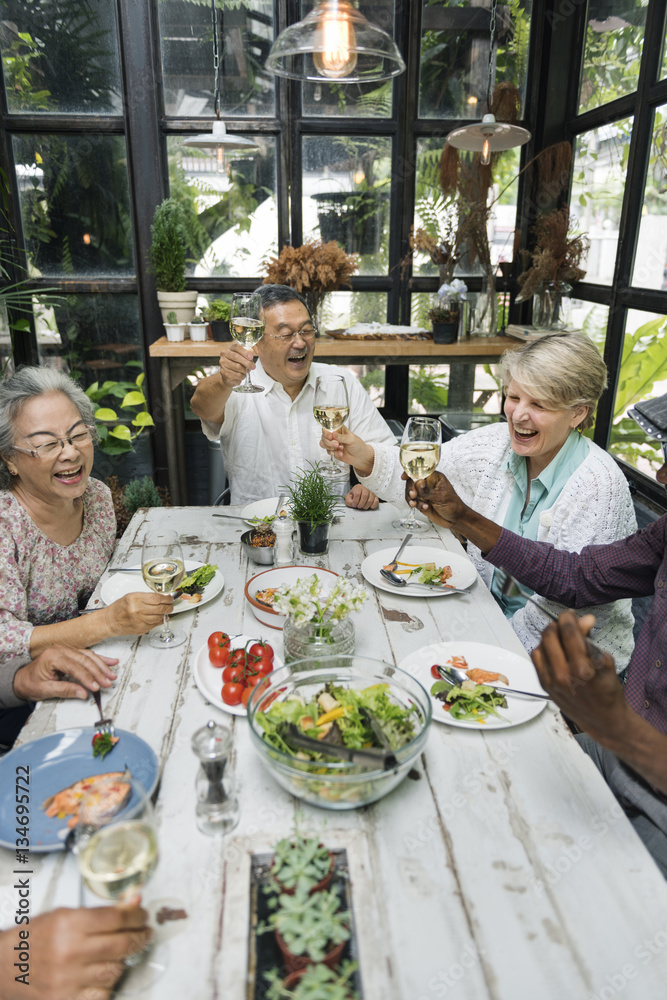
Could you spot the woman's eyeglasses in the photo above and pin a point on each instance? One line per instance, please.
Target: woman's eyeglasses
(52, 448)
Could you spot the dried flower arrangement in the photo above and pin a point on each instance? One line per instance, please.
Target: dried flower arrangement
(313, 269)
(557, 255)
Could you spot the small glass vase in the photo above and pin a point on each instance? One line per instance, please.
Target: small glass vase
(312, 639)
(551, 306)
(485, 322)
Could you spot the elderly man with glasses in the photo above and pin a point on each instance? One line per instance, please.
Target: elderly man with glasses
(266, 438)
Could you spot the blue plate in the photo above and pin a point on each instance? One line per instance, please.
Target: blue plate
(55, 763)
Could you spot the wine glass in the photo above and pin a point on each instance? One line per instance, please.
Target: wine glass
(117, 852)
(247, 326)
(420, 454)
(331, 407)
(162, 569)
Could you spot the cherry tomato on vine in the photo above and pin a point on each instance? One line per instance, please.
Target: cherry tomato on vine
(238, 656)
(218, 655)
(233, 674)
(435, 672)
(218, 639)
(245, 697)
(261, 649)
(232, 693)
(264, 668)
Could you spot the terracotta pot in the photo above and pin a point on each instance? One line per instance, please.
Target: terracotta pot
(318, 887)
(295, 962)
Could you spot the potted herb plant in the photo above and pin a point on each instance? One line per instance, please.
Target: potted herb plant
(308, 928)
(301, 863)
(318, 622)
(312, 502)
(316, 982)
(445, 315)
(198, 329)
(167, 257)
(217, 314)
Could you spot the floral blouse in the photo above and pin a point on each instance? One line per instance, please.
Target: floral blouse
(42, 582)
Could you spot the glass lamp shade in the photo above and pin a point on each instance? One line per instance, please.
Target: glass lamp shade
(335, 42)
(487, 137)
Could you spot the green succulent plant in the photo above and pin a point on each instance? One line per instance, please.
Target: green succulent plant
(300, 862)
(318, 982)
(309, 925)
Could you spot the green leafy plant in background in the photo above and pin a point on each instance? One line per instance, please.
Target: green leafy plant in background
(167, 252)
(318, 982)
(309, 925)
(117, 434)
(141, 493)
(218, 311)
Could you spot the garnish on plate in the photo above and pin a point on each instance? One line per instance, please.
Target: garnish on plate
(424, 572)
(103, 743)
(192, 586)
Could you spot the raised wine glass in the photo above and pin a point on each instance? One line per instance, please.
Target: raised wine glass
(162, 568)
(420, 454)
(331, 406)
(117, 852)
(247, 326)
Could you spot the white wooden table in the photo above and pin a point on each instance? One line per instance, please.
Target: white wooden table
(508, 872)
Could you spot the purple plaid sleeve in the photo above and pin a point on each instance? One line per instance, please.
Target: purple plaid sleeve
(632, 567)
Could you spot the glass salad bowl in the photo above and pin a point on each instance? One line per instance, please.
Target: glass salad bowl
(289, 695)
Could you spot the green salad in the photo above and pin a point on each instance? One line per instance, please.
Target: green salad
(333, 714)
(469, 704)
(195, 582)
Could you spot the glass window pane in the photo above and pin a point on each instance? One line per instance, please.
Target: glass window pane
(75, 204)
(346, 196)
(245, 32)
(612, 50)
(454, 65)
(459, 388)
(97, 338)
(342, 309)
(359, 100)
(233, 214)
(439, 217)
(650, 267)
(642, 375)
(61, 57)
(600, 165)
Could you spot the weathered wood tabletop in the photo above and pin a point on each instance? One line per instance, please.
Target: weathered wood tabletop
(507, 872)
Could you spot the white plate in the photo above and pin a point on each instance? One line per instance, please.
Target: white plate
(120, 584)
(209, 678)
(259, 508)
(519, 671)
(279, 576)
(463, 575)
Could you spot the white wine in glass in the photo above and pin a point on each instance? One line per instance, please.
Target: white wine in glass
(247, 327)
(419, 457)
(331, 408)
(162, 568)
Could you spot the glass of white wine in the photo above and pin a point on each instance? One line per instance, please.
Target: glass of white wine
(420, 454)
(162, 568)
(247, 326)
(117, 852)
(331, 406)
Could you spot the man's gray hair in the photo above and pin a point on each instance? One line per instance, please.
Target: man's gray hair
(274, 295)
(27, 383)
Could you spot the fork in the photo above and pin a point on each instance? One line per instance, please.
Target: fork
(511, 588)
(102, 725)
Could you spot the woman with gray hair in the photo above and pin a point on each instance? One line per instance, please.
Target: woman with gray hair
(57, 525)
(536, 475)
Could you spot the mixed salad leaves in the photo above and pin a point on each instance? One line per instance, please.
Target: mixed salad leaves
(195, 582)
(472, 703)
(333, 716)
(424, 572)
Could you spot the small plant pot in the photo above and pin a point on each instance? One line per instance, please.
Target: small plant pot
(319, 887)
(293, 963)
(175, 331)
(182, 303)
(199, 331)
(220, 329)
(445, 333)
(313, 540)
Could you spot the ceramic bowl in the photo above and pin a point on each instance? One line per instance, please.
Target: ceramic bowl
(279, 577)
(338, 784)
(262, 554)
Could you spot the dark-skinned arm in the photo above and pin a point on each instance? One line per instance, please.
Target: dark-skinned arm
(436, 498)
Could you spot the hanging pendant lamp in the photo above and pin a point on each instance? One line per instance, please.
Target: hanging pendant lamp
(218, 138)
(335, 43)
(488, 136)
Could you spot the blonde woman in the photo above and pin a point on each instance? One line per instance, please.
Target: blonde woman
(535, 475)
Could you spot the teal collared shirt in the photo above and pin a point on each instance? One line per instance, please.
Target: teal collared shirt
(544, 491)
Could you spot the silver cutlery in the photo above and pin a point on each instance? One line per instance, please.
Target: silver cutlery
(394, 562)
(233, 517)
(102, 725)
(397, 581)
(456, 676)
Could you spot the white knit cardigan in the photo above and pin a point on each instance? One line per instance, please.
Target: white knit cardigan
(593, 507)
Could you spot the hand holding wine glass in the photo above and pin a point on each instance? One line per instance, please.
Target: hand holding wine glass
(162, 568)
(331, 407)
(419, 457)
(247, 327)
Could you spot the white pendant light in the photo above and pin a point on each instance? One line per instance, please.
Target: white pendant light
(488, 136)
(218, 138)
(335, 43)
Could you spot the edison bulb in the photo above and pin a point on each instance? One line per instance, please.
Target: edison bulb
(337, 58)
(220, 167)
(485, 157)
